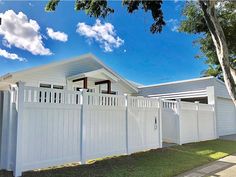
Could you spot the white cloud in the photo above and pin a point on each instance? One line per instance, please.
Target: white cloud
(11, 56)
(173, 24)
(104, 34)
(23, 33)
(57, 35)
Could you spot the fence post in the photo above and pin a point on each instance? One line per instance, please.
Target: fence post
(197, 110)
(127, 123)
(214, 120)
(212, 101)
(10, 127)
(160, 122)
(19, 127)
(5, 123)
(178, 107)
(83, 103)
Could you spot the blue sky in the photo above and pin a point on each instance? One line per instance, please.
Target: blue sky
(136, 54)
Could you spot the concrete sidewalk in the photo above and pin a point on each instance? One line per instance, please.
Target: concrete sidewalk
(225, 167)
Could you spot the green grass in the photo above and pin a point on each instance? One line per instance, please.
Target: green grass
(161, 162)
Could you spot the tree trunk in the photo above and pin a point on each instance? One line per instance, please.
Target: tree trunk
(217, 34)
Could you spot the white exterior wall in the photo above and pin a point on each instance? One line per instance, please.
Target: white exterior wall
(225, 111)
(226, 116)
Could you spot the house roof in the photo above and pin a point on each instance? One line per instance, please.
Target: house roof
(18, 74)
(180, 81)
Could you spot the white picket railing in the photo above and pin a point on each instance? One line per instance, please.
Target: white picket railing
(168, 104)
(94, 99)
(46, 95)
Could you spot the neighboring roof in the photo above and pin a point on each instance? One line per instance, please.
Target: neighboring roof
(185, 88)
(135, 84)
(181, 81)
(58, 63)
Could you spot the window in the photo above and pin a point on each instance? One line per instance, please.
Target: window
(45, 85)
(43, 96)
(58, 87)
(51, 86)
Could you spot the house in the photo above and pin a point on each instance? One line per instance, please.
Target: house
(85, 71)
(208, 90)
(79, 109)
(88, 72)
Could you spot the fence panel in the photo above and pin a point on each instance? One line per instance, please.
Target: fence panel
(51, 128)
(188, 122)
(196, 122)
(170, 121)
(104, 119)
(206, 122)
(143, 124)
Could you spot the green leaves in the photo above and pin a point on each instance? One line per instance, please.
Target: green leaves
(194, 23)
(153, 6)
(98, 8)
(94, 8)
(51, 5)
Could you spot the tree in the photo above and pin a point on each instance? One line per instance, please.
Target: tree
(97, 8)
(194, 22)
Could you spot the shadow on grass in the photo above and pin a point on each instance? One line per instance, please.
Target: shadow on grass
(154, 163)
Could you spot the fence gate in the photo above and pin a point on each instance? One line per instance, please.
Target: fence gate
(144, 124)
(170, 122)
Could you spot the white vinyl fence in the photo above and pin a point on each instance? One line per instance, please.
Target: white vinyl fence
(185, 122)
(54, 127)
(47, 127)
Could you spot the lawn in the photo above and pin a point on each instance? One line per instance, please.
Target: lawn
(161, 162)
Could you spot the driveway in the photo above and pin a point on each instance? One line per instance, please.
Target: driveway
(225, 167)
